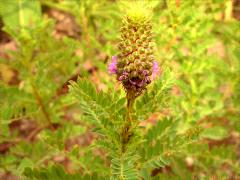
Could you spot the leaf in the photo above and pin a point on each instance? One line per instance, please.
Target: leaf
(101, 109)
(124, 168)
(18, 14)
(56, 172)
(157, 162)
(158, 130)
(24, 164)
(157, 97)
(167, 144)
(92, 105)
(215, 133)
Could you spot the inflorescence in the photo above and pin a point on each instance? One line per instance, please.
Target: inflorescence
(135, 65)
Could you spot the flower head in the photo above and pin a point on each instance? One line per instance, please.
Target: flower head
(134, 65)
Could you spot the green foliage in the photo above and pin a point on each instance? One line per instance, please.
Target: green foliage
(43, 64)
(157, 97)
(56, 172)
(124, 168)
(20, 14)
(161, 140)
(104, 110)
(189, 31)
(185, 124)
(163, 143)
(216, 133)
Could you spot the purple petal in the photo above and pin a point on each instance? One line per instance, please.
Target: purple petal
(124, 76)
(155, 70)
(142, 83)
(148, 80)
(112, 67)
(145, 72)
(132, 82)
(121, 78)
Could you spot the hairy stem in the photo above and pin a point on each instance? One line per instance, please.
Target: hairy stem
(127, 128)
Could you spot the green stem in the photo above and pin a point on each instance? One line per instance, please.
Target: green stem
(127, 128)
(41, 104)
(130, 103)
(36, 93)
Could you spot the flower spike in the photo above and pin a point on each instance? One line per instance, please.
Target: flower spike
(135, 65)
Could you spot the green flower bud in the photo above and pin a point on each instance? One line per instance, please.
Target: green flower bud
(128, 49)
(143, 58)
(136, 55)
(141, 50)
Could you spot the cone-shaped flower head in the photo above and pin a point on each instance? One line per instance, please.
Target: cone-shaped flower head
(135, 65)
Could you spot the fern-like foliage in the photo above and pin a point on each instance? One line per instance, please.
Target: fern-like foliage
(95, 106)
(107, 113)
(157, 97)
(124, 168)
(162, 143)
(151, 137)
(104, 110)
(56, 172)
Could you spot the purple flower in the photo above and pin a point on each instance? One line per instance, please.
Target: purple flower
(155, 70)
(136, 83)
(112, 67)
(123, 77)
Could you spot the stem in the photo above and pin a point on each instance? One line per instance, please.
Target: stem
(36, 92)
(127, 128)
(130, 103)
(85, 28)
(41, 104)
